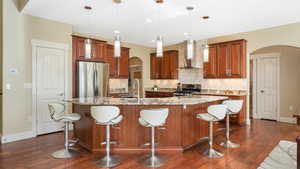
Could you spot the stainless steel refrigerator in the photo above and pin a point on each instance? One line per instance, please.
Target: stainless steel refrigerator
(93, 79)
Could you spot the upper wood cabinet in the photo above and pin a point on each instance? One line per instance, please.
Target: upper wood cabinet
(118, 67)
(226, 60)
(165, 67)
(99, 50)
(210, 68)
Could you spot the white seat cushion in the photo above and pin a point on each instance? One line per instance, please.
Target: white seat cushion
(207, 117)
(144, 123)
(69, 117)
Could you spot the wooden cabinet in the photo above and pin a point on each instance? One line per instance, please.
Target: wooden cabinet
(155, 68)
(157, 94)
(99, 50)
(118, 67)
(165, 67)
(210, 67)
(226, 60)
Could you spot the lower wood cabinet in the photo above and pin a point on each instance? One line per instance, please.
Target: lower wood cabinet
(154, 94)
(226, 60)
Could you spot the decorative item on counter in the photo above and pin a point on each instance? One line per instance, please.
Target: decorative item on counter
(155, 88)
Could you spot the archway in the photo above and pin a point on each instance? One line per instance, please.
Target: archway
(287, 86)
(135, 76)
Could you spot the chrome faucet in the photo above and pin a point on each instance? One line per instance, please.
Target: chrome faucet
(138, 89)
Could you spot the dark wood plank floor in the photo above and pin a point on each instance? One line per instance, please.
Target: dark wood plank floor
(257, 141)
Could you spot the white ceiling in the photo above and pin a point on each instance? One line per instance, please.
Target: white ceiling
(171, 19)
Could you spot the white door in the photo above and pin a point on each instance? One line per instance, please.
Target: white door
(267, 68)
(50, 86)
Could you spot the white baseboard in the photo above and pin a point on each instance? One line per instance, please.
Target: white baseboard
(17, 137)
(287, 120)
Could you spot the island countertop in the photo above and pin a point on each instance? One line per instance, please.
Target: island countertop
(189, 100)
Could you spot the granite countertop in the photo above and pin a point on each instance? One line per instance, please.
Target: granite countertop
(222, 92)
(168, 90)
(189, 100)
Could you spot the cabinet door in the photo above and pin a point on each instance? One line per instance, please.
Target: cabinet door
(223, 61)
(174, 65)
(155, 67)
(165, 66)
(124, 63)
(80, 47)
(210, 67)
(237, 60)
(112, 61)
(99, 51)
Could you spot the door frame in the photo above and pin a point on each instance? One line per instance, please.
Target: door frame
(256, 57)
(46, 44)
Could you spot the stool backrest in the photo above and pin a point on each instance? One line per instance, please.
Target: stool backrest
(218, 111)
(155, 117)
(104, 114)
(56, 110)
(234, 106)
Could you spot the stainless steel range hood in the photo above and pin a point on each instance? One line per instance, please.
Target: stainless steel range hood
(190, 60)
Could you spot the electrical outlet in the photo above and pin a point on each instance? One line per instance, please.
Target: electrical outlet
(291, 108)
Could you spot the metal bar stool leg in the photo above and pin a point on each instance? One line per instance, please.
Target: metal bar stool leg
(227, 143)
(67, 152)
(153, 160)
(109, 160)
(212, 153)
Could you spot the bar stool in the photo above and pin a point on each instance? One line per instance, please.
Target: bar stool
(233, 107)
(107, 115)
(214, 113)
(57, 113)
(153, 118)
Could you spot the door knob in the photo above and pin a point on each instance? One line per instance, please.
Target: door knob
(262, 91)
(61, 94)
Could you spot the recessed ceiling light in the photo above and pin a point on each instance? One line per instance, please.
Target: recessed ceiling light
(148, 20)
(118, 1)
(185, 34)
(189, 8)
(88, 7)
(205, 17)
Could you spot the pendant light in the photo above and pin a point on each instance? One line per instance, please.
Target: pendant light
(190, 43)
(159, 46)
(117, 45)
(159, 39)
(205, 52)
(117, 37)
(88, 42)
(88, 48)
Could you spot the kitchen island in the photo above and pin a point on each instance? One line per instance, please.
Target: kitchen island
(181, 131)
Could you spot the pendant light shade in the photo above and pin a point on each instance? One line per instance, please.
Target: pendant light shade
(205, 53)
(190, 49)
(117, 45)
(159, 46)
(88, 48)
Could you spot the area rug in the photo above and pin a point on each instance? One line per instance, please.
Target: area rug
(283, 156)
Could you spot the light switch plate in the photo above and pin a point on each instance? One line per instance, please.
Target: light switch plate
(8, 86)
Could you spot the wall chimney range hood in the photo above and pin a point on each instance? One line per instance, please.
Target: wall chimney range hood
(190, 57)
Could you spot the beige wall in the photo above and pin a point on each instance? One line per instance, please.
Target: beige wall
(289, 77)
(18, 31)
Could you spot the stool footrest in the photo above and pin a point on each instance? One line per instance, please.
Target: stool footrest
(148, 144)
(111, 142)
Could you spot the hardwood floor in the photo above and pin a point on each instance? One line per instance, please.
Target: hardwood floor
(256, 143)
